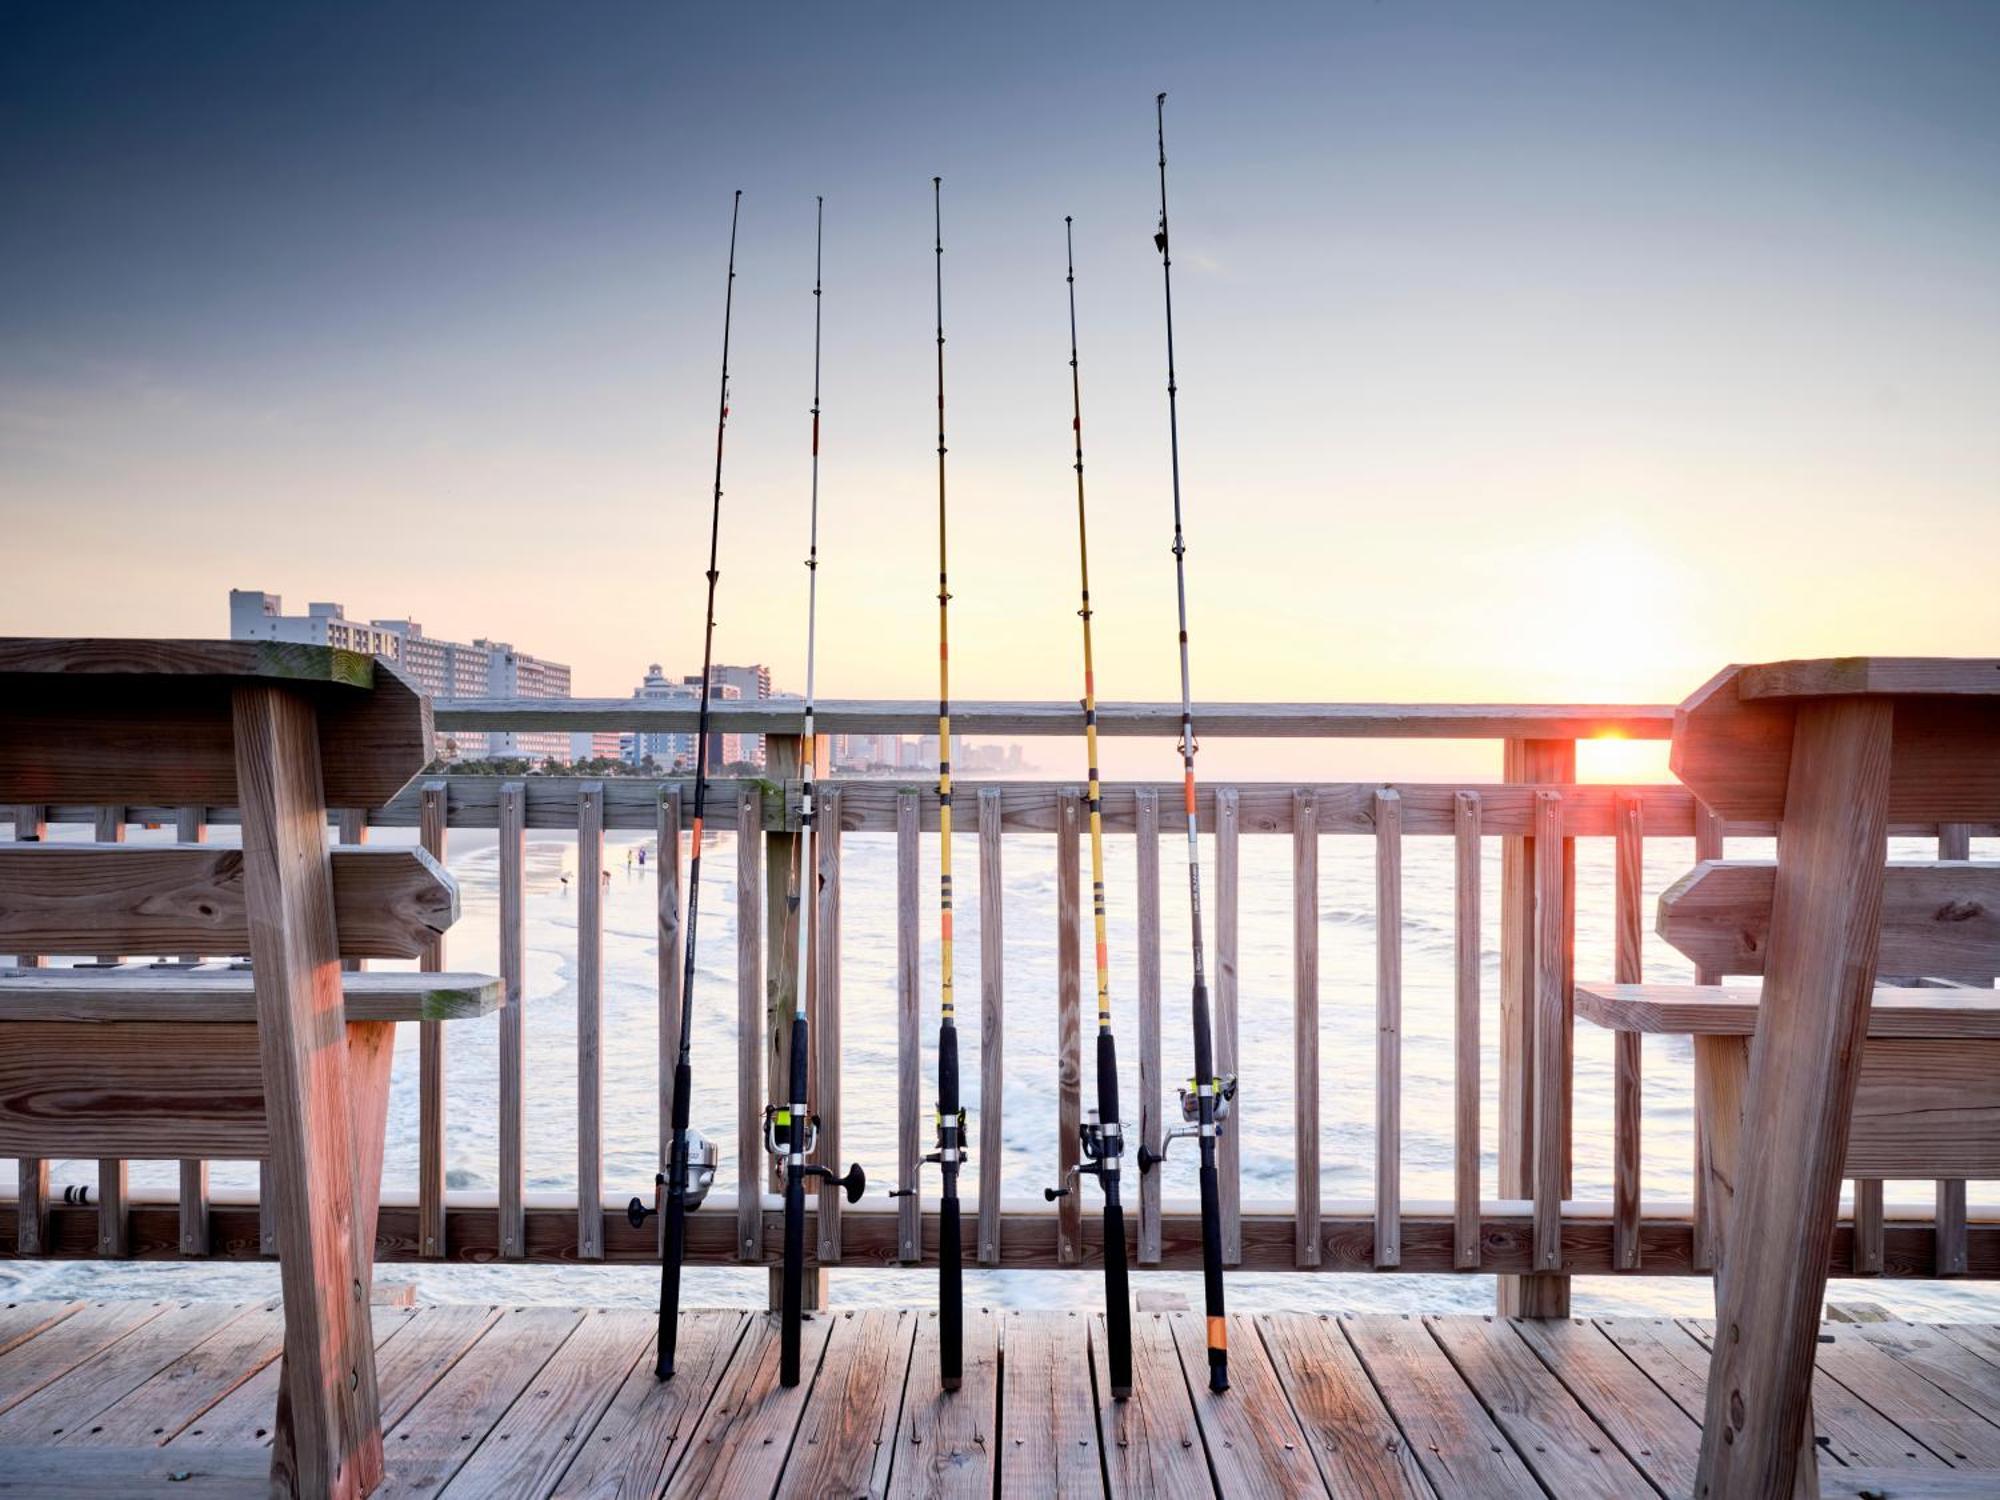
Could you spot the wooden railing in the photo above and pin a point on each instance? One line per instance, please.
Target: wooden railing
(1537, 811)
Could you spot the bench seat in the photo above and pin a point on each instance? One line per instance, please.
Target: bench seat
(223, 994)
(1731, 1010)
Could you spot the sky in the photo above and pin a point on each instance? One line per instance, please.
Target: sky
(1526, 352)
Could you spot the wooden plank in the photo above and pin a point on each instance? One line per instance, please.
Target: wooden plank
(1449, 1433)
(173, 994)
(31, 1194)
(437, 1435)
(827, 1038)
(945, 1443)
(786, 905)
(65, 1406)
(1305, 1028)
(644, 1432)
(992, 1024)
(1526, 762)
(667, 942)
(1551, 1039)
(67, 658)
(329, 1434)
(171, 898)
(1468, 955)
(1721, 1079)
(32, 1364)
(1049, 1445)
(527, 1451)
(590, 882)
(1151, 1444)
(1064, 719)
(179, 1392)
(1954, 842)
(1977, 677)
(739, 1445)
(1229, 1145)
(909, 1053)
(1936, 1357)
(848, 1434)
(749, 1027)
(191, 827)
(1651, 1429)
(1899, 1484)
(113, 1237)
(1731, 1010)
(1925, 1106)
(116, 1473)
(1388, 1030)
(1069, 1033)
(21, 1321)
(513, 1014)
(431, 1056)
(1628, 1098)
(1554, 1435)
(1352, 1438)
(1146, 857)
(1940, 920)
(1255, 1444)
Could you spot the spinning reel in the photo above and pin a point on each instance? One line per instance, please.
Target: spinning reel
(1222, 1090)
(802, 1132)
(958, 1154)
(703, 1155)
(1102, 1146)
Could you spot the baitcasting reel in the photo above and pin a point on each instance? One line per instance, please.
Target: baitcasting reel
(959, 1154)
(1223, 1090)
(804, 1132)
(1102, 1146)
(703, 1155)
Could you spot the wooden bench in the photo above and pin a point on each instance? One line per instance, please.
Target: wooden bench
(1833, 752)
(286, 1062)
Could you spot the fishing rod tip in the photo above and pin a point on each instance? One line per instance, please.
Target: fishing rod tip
(1160, 98)
(937, 182)
(1068, 220)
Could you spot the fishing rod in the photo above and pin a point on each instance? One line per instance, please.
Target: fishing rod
(1205, 1102)
(790, 1132)
(1100, 1137)
(686, 1182)
(950, 1153)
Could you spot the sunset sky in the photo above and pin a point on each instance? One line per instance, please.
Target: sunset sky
(1537, 351)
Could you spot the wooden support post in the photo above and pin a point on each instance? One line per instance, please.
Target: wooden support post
(992, 1024)
(1708, 844)
(1627, 1098)
(1229, 1148)
(31, 1205)
(431, 833)
(1305, 1029)
(1552, 1025)
(1954, 842)
(1388, 1028)
(591, 875)
(513, 1035)
(909, 1045)
(1069, 1036)
(1820, 970)
(749, 1025)
(1467, 953)
(191, 827)
(1146, 811)
(1532, 762)
(329, 1438)
(114, 1240)
(667, 942)
(787, 902)
(826, 1025)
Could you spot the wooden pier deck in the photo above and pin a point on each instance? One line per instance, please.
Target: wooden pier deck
(124, 1398)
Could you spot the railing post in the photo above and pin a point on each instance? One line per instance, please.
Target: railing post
(783, 755)
(31, 1226)
(1530, 762)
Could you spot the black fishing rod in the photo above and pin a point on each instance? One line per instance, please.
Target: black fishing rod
(1205, 1102)
(1100, 1136)
(682, 1195)
(791, 1133)
(950, 1153)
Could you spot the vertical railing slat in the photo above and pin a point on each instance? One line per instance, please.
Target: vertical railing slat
(1069, 1037)
(1466, 812)
(749, 1024)
(1627, 1097)
(909, 1045)
(1708, 844)
(1305, 1029)
(113, 1193)
(1229, 1149)
(1954, 842)
(1147, 856)
(513, 1033)
(590, 872)
(31, 1204)
(1388, 1028)
(992, 1026)
(667, 948)
(826, 1022)
(191, 827)
(785, 906)
(1550, 1015)
(433, 822)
